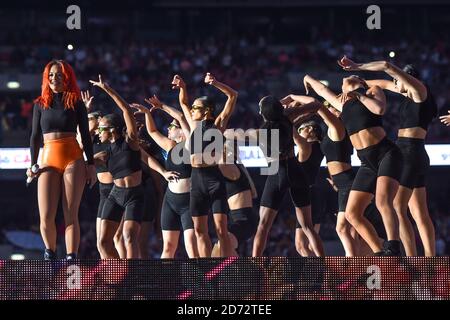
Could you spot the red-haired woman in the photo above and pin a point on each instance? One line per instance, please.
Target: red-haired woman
(57, 113)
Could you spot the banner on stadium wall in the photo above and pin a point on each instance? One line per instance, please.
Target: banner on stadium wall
(251, 156)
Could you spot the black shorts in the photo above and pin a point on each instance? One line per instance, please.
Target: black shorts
(208, 191)
(150, 200)
(416, 162)
(317, 212)
(126, 202)
(343, 182)
(242, 223)
(175, 213)
(290, 177)
(381, 159)
(104, 189)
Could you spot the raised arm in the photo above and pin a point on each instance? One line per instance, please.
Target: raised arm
(374, 100)
(155, 165)
(178, 83)
(174, 113)
(304, 147)
(162, 141)
(323, 91)
(336, 129)
(415, 88)
(223, 118)
(300, 111)
(128, 115)
(383, 84)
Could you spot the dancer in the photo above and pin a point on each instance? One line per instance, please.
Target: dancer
(361, 112)
(417, 110)
(57, 113)
(207, 182)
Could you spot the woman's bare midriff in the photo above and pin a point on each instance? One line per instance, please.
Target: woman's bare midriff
(130, 181)
(416, 133)
(241, 200)
(336, 167)
(180, 186)
(58, 135)
(105, 177)
(367, 137)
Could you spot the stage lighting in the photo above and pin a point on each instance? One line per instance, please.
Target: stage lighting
(392, 54)
(17, 256)
(70, 47)
(13, 84)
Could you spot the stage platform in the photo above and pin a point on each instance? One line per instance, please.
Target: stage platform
(266, 278)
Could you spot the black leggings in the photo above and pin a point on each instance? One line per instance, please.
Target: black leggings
(175, 213)
(289, 177)
(150, 202)
(416, 162)
(207, 191)
(126, 202)
(381, 159)
(242, 223)
(104, 190)
(343, 182)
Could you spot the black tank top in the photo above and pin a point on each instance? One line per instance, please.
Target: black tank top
(414, 114)
(312, 165)
(285, 142)
(236, 186)
(199, 133)
(337, 150)
(122, 160)
(356, 117)
(99, 147)
(183, 169)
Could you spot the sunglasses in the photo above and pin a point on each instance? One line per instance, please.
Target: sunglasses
(101, 129)
(171, 126)
(197, 107)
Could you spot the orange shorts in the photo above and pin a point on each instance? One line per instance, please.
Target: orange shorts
(59, 153)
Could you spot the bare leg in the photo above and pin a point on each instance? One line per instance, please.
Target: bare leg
(98, 224)
(201, 232)
(49, 190)
(384, 200)
(302, 244)
(354, 213)
(419, 211)
(266, 218)
(119, 242)
(144, 237)
(108, 229)
(190, 243)
(170, 243)
(74, 181)
(221, 224)
(343, 229)
(305, 220)
(131, 238)
(406, 229)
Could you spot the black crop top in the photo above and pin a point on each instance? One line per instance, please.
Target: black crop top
(414, 114)
(356, 117)
(183, 169)
(97, 146)
(58, 119)
(337, 150)
(199, 133)
(236, 186)
(285, 140)
(122, 160)
(312, 165)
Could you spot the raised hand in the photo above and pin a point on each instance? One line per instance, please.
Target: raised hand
(286, 101)
(87, 99)
(154, 102)
(99, 83)
(178, 82)
(209, 78)
(306, 84)
(445, 119)
(139, 107)
(347, 64)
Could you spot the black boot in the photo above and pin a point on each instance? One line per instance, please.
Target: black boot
(71, 256)
(49, 255)
(392, 248)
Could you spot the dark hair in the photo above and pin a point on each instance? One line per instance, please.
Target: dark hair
(208, 102)
(271, 108)
(411, 70)
(115, 121)
(315, 126)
